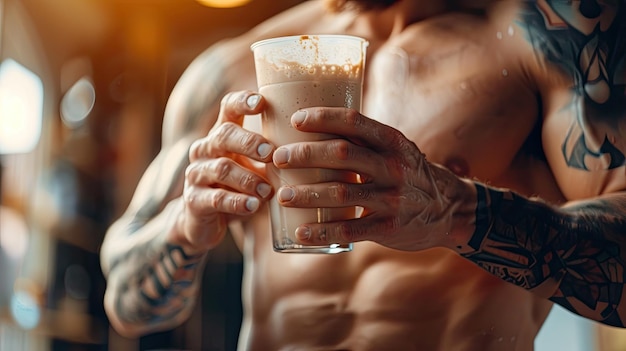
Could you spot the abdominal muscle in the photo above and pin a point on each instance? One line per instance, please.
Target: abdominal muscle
(374, 298)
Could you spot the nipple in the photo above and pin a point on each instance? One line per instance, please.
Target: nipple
(458, 166)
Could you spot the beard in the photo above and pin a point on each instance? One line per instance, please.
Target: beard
(358, 5)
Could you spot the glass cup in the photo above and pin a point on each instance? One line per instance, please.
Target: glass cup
(305, 71)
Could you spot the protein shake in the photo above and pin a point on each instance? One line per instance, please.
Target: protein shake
(293, 73)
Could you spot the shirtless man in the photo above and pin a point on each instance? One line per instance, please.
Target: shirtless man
(526, 96)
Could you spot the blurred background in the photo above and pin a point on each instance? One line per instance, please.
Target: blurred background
(83, 86)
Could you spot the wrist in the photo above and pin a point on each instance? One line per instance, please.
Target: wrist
(464, 217)
(194, 237)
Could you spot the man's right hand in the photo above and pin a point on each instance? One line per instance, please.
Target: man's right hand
(222, 181)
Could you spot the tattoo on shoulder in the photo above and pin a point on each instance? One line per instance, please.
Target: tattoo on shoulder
(586, 40)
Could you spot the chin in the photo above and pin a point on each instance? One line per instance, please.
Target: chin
(358, 5)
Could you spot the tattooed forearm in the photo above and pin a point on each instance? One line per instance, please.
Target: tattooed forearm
(161, 289)
(528, 243)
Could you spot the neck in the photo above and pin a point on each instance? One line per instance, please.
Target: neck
(392, 20)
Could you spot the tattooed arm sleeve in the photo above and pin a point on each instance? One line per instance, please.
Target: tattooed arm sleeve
(151, 280)
(576, 252)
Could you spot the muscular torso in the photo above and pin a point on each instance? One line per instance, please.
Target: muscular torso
(457, 87)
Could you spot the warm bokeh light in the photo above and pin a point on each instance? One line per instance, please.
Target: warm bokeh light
(25, 310)
(78, 102)
(223, 3)
(13, 233)
(21, 108)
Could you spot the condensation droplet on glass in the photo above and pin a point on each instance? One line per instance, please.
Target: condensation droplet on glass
(511, 31)
(505, 72)
(499, 35)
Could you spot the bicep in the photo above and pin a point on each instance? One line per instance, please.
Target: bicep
(580, 67)
(193, 104)
(190, 112)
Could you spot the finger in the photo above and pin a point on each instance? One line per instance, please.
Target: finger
(227, 173)
(203, 203)
(235, 105)
(344, 232)
(231, 138)
(203, 224)
(332, 195)
(351, 124)
(335, 154)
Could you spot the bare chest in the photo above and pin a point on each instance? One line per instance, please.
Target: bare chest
(463, 105)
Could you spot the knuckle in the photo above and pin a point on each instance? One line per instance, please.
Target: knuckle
(353, 117)
(317, 113)
(340, 149)
(305, 196)
(346, 233)
(303, 152)
(191, 173)
(223, 133)
(340, 193)
(247, 181)
(248, 142)
(195, 150)
(191, 202)
(222, 168)
(365, 194)
(217, 198)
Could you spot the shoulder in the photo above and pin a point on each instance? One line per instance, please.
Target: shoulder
(227, 66)
(578, 61)
(576, 38)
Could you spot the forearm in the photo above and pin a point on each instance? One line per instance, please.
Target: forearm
(151, 280)
(573, 255)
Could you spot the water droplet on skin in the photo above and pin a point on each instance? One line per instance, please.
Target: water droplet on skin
(511, 31)
(463, 86)
(505, 72)
(500, 339)
(512, 339)
(499, 35)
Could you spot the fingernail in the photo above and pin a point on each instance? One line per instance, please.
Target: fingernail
(286, 194)
(298, 118)
(264, 150)
(252, 204)
(303, 233)
(253, 100)
(263, 190)
(281, 156)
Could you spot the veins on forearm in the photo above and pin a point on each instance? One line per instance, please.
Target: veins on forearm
(528, 243)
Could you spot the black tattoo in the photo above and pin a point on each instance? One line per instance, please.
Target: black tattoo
(586, 40)
(529, 243)
(152, 297)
